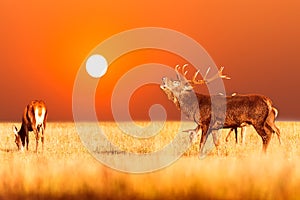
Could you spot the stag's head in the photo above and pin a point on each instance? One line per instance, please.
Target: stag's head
(17, 138)
(175, 88)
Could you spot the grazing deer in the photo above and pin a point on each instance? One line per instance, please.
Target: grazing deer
(252, 109)
(243, 130)
(34, 119)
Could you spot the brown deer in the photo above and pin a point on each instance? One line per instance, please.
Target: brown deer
(252, 109)
(243, 130)
(34, 119)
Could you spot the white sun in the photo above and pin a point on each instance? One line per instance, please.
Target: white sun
(96, 66)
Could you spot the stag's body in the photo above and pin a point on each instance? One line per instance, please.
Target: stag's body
(240, 109)
(252, 109)
(34, 119)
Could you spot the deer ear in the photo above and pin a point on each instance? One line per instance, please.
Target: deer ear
(15, 130)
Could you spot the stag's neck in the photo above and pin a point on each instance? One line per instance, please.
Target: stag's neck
(189, 104)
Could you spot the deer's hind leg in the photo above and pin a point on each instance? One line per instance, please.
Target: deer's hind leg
(277, 131)
(265, 135)
(274, 129)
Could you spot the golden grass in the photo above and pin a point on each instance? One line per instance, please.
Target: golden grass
(66, 170)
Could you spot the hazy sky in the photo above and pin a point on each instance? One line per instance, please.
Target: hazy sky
(43, 44)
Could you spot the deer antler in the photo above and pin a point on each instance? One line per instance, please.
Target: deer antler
(179, 77)
(205, 80)
(208, 80)
(177, 73)
(183, 69)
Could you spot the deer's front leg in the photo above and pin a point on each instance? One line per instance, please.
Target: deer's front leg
(42, 138)
(216, 139)
(37, 137)
(202, 150)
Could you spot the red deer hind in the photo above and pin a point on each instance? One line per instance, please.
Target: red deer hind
(34, 119)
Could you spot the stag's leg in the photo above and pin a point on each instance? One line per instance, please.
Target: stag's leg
(228, 135)
(216, 139)
(236, 135)
(277, 131)
(203, 139)
(270, 125)
(243, 134)
(265, 135)
(278, 134)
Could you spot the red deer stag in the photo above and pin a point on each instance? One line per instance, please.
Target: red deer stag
(34, 119)
(252, 109)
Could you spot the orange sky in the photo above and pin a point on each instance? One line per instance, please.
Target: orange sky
(43, 44)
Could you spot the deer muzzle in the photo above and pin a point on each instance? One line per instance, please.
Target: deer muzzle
(163, 85)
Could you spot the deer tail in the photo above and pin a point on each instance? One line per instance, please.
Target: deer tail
(270, 120)
(272, 114)
(275, 111)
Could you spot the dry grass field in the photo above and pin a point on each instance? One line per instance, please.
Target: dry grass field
(65, 170)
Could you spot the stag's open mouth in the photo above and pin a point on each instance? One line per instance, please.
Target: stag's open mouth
(163, 86)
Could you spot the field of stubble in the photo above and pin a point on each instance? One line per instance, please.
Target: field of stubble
(65, 170)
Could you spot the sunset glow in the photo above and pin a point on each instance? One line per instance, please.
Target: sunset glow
(43, 44)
